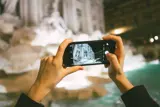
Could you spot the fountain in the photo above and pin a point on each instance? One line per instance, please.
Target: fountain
(27, 45)
(49, 34)
(25, 55)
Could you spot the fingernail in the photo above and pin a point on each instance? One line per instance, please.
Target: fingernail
(81, 68)
(70, 39)
(106, 35)
(106, 52)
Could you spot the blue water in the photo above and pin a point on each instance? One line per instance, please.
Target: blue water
(149, 76)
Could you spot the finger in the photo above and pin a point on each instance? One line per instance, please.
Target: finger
(50, 59)
(43, 63)
(112, 58)
(119, 43)
(45, 59)
(42, 59)
(73, 69)
(106, 65)
(62, 48)
(53, 57)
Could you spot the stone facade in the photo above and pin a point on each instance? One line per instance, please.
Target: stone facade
(31, 11)
(84, 15)
(79, 15)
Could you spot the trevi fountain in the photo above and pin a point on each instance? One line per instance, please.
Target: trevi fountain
(28, 35)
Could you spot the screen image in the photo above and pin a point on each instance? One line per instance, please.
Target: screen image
(88, 53)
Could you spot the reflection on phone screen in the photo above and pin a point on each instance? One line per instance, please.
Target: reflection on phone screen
(93, 53)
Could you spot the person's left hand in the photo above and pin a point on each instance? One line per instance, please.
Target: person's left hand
(51, 73)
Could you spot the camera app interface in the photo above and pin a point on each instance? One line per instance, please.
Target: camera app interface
(89, 53)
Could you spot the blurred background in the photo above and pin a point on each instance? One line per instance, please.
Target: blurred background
(33, 29)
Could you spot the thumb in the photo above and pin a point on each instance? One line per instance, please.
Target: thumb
(74, 69)
(112, 58)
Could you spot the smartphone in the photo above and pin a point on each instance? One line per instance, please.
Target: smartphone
(88, 53)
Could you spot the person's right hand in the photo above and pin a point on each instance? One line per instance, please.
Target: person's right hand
(51, 72)
(116, 64)
(116, 60)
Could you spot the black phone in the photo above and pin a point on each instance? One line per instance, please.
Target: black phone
(88, 53)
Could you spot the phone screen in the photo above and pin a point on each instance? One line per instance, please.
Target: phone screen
(88, 53)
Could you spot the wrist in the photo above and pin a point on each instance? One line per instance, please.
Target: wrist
(123, 84)
(38, 92)
(119, 77)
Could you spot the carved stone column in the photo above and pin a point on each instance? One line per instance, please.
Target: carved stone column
(87, 22)
(31, 11)
(69, 9)
(93, 16)
(10, 6)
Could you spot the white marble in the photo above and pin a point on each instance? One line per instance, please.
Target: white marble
(55, 5)
(77, 14)
(31, 11)
(8, 22)
(73, 8)
(10, 6)
(20, 58)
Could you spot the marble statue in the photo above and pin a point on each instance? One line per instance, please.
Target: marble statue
(54, 21)
(9, 6)
(55, 5)
(58, 22)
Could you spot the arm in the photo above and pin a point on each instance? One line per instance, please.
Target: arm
(138, 97)
(51, 72)
(132, 96)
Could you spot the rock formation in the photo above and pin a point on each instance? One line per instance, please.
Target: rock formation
(20, 58)
(3, 45)
(23, 35)
(81, 94)
(8, 23)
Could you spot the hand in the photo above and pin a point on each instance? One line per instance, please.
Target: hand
(116, 64)
(51, 72)
(116, 60)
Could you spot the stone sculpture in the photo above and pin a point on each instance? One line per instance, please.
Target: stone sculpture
(9, 6)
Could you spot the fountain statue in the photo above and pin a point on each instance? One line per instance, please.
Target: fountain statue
(54, 21)
(55, 5)
(8, 19)
(9, 6)
(58, 22)
(52, 29)
(25, 55)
